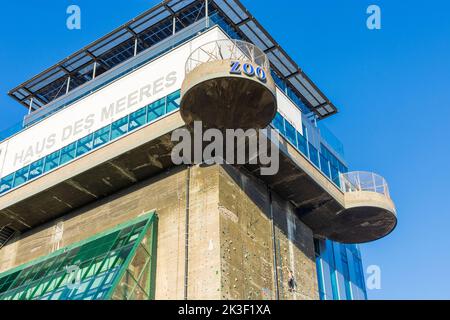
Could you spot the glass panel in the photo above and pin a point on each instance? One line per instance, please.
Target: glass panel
(324, 166)
(6, 183)
(137, 118)
(84, 145)
(119, 128)
(68, 153)
(313, 155)
(36, 169)
(173, 101)
(21, 176)
(302, 144)
(87, 271)
(156, 110)
(278, 123)
(51, 161)
(335, 176)
(102, 136)
(291, 133)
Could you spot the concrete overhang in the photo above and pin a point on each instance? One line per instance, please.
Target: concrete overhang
(326, 209)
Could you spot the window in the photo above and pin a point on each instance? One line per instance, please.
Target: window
(278, 123)
(325, 166)
(21, 176)
(51, 161)
(84, 145)
(173, 101)
(291, 133)
(102, 136)
(314, 155)
(156, 110)
(119, 128)
(137, 119)
(302, 144)
(36, 169)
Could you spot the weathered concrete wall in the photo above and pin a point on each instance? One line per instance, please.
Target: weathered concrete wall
(248, 267)
(295, 253)
(166, 193)
(204, 234)
(230, 235)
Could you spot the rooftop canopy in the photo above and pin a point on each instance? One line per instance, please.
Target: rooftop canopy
(153, 26)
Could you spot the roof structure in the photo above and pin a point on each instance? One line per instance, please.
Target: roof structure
(151, 27)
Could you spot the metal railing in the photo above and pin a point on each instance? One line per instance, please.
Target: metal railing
(364, 181)
(227, 49)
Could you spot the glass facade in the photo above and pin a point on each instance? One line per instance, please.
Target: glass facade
(322, 158)
(118, 264)
(117, 129)
(339, 271)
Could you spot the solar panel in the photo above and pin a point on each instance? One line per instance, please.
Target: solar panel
(152, 27)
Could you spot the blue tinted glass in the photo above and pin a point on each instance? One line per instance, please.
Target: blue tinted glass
(6, 183)
(51, 161)
(68, 153)
(278, 123)
(101, 136)
(335, 176)
(342, 168)
(302, 144)
(137, 118)
(291, 134)
(84, 145)
(278, 81)
(21, 176)
(119, 128)
(36, 169)
(173, 101)
(324, 166)
(313, 155)
(156, 110)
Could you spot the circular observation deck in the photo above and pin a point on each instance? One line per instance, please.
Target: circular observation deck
(369, 212)
(228, 85)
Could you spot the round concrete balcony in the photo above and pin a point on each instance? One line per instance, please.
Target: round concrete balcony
(369, 212)
(228, 85)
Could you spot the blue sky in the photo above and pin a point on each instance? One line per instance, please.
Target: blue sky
(391, 86)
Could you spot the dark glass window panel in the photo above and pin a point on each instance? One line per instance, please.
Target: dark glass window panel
(325, 166)
(314, 155)
(278, 123)
(291, 133)
(302, 144)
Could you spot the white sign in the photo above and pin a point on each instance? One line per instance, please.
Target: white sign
(118, 99)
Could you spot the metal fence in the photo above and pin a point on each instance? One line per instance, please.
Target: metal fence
(364, 181)
(227, 49)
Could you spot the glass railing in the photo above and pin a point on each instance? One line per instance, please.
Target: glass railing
(93, 141)
(321, 158)
(364, 181)
(226, 49)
